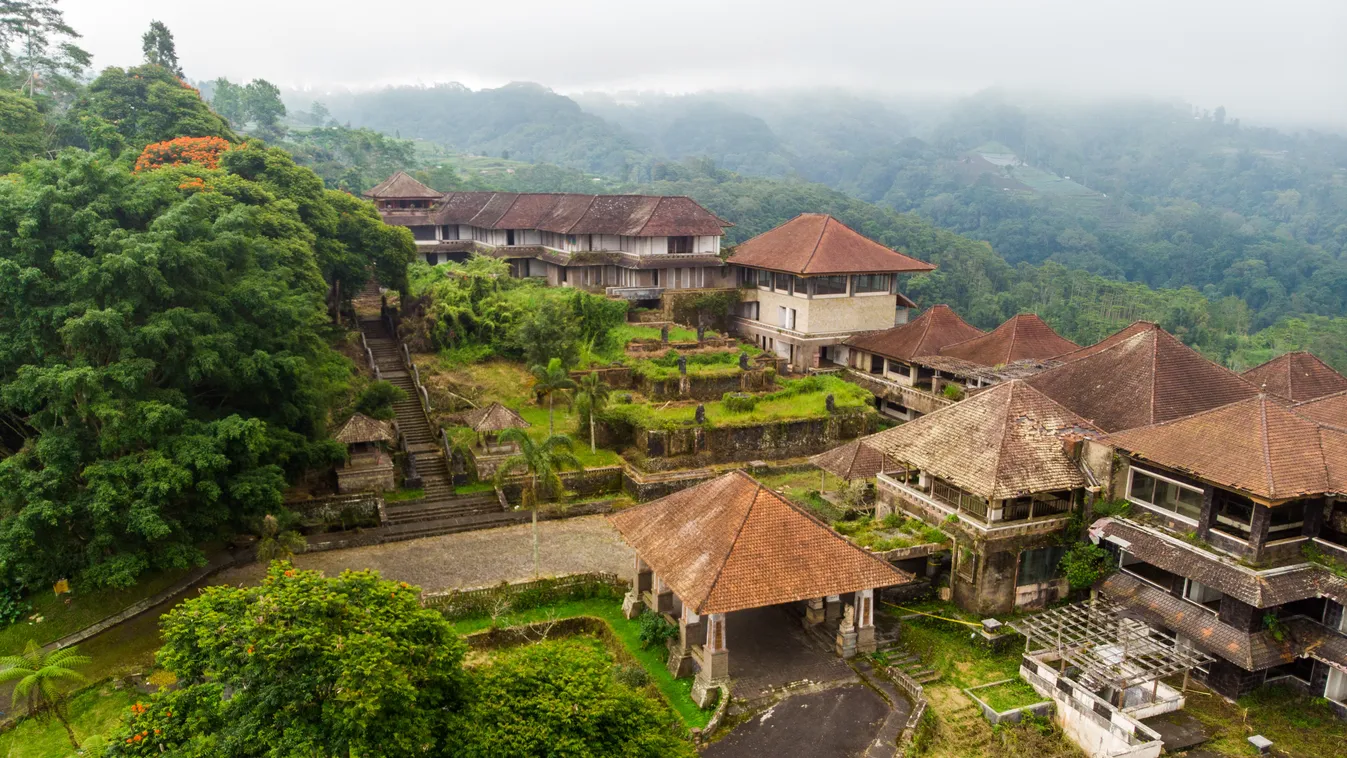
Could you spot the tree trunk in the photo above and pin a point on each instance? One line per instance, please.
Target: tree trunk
(592, 449)
(551, 429)
(70, 732)
(533, 485)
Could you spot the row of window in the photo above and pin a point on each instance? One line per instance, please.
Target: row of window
(1234, 514)
(823, 285)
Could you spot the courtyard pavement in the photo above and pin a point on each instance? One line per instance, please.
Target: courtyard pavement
(474, 559)
(835, 723)
(769, 650)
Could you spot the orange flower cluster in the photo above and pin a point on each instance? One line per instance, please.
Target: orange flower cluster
(138, 709)
(138, 737)
(185, 85)
(195, 183)
(200, 151)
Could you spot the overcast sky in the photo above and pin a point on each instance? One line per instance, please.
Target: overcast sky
(1266, 60)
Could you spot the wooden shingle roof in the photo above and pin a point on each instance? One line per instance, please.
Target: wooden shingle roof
(492, 418)
(854, 460)
(1297, 376)
(401, 185)
(817, 244)
(1003, 442)
(361, 428)
(926, 334)
(1256, 446)
(1024, 337)
(730, 544)
(1142, 375)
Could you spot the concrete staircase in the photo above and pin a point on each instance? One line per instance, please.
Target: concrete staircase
(916, 668)
(439, 511)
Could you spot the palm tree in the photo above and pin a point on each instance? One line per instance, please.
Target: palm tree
(277, 544)
(40, 673)
(549, 381)
(593, 393)
(542, 462)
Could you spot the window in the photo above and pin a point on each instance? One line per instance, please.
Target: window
(1203, 595)
(764, 279)
(830, 285)
(423, 233)
(1165, 494)
(680, 244)
(1039, 566)
(781, 283)
(654, 278)
(866, 283)
(1233, 514)
(1286, 520)
(799, 285)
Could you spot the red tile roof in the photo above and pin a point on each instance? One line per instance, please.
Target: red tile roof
(1142, 375)
(400, 185)
(816, 243)
(853, 460)
(731, 544)
(1024, 337)
(1002, 442)
(1329, 410)
(1256, 446)
(627, 215)
(1297, 376)
(938, 327)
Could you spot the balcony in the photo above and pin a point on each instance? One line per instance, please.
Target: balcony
(1045, 513)
(636, 293)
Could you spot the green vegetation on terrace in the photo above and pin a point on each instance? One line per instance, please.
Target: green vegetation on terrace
(947, 647)
(1296, 724)
(798, 399)
(890, 533)
(94, 713)
(1015, 693)
(709, 364)
(84, 608)
(801, 488)
(677, 691)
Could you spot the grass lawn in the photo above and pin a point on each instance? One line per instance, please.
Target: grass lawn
(398, 496)
(476, 488)
(801, 488)
(1296, 724)
(891, 532)
(1015, 693)
(677, 691)
(800, 399)
(948, 647)
(567, 422)
(96, 711)
(60, 618)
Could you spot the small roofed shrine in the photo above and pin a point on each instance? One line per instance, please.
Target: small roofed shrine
(368, 465)
(732, 545)
(488, 422)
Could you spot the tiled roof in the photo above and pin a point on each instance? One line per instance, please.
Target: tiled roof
(362, 428)
(627, 215)
(853, 460)
(400, 185)
(1141, 375)
(730, 544)
(1256, 446)
(1024, 337)
(937, 327)
(1260, 589)
(1329, 410)
(492, 418)
(1297, 376)
(1002, 442)
(816, 243)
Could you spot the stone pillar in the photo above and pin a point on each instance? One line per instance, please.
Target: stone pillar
(832, 606)
(663, 596)
(1207, 517)
(634, 602)
(1258, 529)
(865, 621)
(715, 661)
(846, 632)
(813, 611)
(818, 357)
(690, 633)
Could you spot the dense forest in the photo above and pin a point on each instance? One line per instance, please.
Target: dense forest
(1144, 192)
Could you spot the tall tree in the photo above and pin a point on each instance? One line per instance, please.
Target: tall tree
(229, 100)
(592, 394)
(22, 131)
(157, 43)
(549, 380)
(265, 109)
(542, 463)
(41, 677)
(36, 47)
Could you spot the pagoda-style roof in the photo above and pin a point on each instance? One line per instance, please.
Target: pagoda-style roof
(731, 544)
(1024, 337)
(492, 418)
(361, 428)
(1297, 376)
(936, 328)
(818, 244)
(1329, 410)
(561, 213)
(402, 186)
(854, 460)
(1256, 446)
(1142, 375)
(1003, 442)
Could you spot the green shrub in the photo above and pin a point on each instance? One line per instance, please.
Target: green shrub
(1084, 564)
(1109, 508)
(738, 402)
(378, 398)
(12, 606)
(952, 392)
(632, 675)
(656, 630)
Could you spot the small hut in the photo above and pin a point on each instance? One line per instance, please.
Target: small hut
(368, 465)
(852, 461)
(488, 423)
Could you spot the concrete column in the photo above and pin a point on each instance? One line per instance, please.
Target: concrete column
(1258, 530)
(813, 611)
(846, 632)
(865, 621)
(634, 602)
(690, 633)
(832, 606)
(715, 661)
(1207, 517)
(663, 596)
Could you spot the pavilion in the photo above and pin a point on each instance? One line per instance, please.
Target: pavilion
(368, 465)
(488, 422)
(731, 545)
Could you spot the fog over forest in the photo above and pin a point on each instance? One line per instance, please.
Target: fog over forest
(1280, 64)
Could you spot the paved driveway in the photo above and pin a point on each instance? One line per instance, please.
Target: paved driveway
(475, 559)
(836, 723)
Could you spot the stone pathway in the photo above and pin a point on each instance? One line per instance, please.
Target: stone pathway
(835, 723)
(474, 559)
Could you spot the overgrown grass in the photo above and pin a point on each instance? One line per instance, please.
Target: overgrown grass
(567, 422)
(798, 399)
(949, 648)
(93, 713)
(677, 691)
(399, 496)
(475, 488)
(60, 617)
(1296, 724)
(890, 533)
(801, 488)
(1015, 693)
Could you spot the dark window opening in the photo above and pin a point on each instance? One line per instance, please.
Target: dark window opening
(680, 244)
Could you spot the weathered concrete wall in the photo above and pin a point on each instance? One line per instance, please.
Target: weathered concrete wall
(699, 446)
(707, 387)
(596, 481)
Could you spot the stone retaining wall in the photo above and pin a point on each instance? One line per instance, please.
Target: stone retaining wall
(700, 446)
(588, 483)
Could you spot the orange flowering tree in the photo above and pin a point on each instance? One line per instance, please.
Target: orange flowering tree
(197, 151)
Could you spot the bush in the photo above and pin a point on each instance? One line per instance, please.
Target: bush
(12, 606)
(656, 630)
(634, 675)
(952, 392)
(1084, 564)
(377, 400)
(738, 402)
